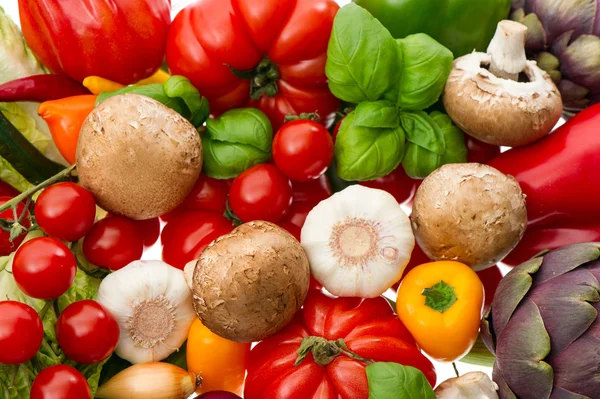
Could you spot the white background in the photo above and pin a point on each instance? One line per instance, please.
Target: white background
(444, 370)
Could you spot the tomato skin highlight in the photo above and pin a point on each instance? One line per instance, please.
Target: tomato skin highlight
(188, 233)
(6, 246)
(65, 211)
(302, 150)
(113, 243)
(21, 332)
(221, 363)
(87, 332)
(261, 193)
(60, 382)
(44, 268)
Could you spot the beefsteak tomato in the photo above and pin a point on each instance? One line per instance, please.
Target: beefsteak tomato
(369, 329)
(266, 54)
(120, 40)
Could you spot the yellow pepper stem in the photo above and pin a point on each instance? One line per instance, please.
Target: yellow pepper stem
(440, 296)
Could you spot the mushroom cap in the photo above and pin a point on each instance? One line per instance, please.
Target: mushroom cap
(501, 111)
(470, 213)
(249, 284)
(139, 158)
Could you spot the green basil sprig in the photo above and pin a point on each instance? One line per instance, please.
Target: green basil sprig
(236, 141)
(395, 381)
(392, 81)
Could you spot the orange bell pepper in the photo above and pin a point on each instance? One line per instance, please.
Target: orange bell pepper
(221, 363)
(441, 303)
(65, 118)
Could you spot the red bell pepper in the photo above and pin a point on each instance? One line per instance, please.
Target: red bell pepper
(120, 40)
(269, 54)
(559, 175)
(369, 329)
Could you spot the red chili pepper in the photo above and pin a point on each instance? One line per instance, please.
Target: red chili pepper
(40, 88)
(559, 175)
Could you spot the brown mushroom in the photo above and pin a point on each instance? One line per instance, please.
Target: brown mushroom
(499, 97)
(249, 284)
(139, 158)
(470, 213)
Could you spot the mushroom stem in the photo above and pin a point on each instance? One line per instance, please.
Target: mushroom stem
(507, 49)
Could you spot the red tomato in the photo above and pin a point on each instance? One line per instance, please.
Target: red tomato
(208, 194)
(149, 230)
(337, 127)
(120, 40)
(60, 382)
(7, 246)
(87, 332)
(113, 242)
(294, 219)
(260, 193)
(302, 150)
(279, 45)
(187, 234)
(44, 268)
(313, 191)
(480, 152)
(397, 183)
(369, 328)
(490, 278)
(65, 211)
(6, 190)
(21, 332)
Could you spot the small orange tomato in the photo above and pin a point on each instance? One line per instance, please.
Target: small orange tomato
(221, 363)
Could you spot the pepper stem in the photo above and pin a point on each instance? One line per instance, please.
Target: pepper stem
(324, 351)
(440, 296)
(507, 49)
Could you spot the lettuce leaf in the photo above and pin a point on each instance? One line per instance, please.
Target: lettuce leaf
(15, 381)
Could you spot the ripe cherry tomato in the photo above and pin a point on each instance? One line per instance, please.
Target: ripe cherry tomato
(87, 332)
(113, 242)
(60, 382)
(294, 219)
(303, 150)
(260, 193)
(397, 183)
(7, 246)
(312, 191)
(21, 332)
(65, 211)
(44, 268)
(187, 234)
(148, 229)
(480, 152)
(6, 190)
(221, 363)
(208, 194)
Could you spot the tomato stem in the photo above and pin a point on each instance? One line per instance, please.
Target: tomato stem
(309, 116)
(324, 351)
(59, 176)
(263, 79)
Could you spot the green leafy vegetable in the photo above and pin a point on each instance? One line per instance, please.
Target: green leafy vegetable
(176, 93)
(420, 159)
(377, 114)
(15, 381)
(425, 71)
(395, 381)
(236, 141)
(363, 60)
(366, 153)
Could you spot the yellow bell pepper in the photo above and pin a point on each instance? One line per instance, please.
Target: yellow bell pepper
(441, 303)
(97, 84)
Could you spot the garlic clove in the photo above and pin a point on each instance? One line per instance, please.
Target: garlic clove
(358, 242)
(153, 306)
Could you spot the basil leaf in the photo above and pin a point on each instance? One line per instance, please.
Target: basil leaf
(177, 93)
(423, 131)
(236, 141)
(425, 70)
(366, 153)
(395, 381)
(363, 60)
(419, 162)
(377, 114)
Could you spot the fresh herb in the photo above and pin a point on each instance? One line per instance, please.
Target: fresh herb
(395, 381)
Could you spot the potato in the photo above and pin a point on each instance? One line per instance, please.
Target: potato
(139, 158)
(470, 213)
(248, 284)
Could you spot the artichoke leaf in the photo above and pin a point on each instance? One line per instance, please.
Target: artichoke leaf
(565, 259)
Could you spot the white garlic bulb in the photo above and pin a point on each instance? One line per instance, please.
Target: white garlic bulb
(358, 242)
(153, 306)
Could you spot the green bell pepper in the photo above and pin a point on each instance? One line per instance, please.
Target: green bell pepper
(460, 25)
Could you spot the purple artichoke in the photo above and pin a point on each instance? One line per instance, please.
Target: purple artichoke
(543, 326)
(563, 37)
